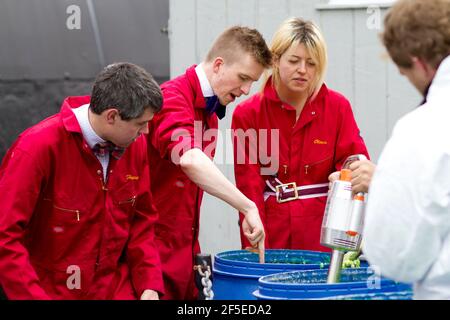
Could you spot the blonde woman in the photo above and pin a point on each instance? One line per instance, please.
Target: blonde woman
(316, 132)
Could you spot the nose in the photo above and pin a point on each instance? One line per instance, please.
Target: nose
(144, 129)
(245, 88)
(302, 67)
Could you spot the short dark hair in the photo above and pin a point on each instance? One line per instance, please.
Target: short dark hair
(419, 28)
(235, 40)
(126, 87)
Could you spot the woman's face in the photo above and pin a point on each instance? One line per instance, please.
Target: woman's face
(297, 69)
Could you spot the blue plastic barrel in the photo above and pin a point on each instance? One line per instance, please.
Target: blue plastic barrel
(236, 273)
(311, 284)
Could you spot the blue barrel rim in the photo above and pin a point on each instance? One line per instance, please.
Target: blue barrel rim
(284, 275)
(236, 275)
(403, 293)
(324, 286)
(317, 286)
(264, 283)
(222, 260)
(258, 295)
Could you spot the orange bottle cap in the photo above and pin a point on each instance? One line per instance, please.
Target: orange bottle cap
(346, 175)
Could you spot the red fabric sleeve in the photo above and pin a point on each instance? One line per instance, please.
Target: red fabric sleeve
(20, 184)
(173, 127)
(142, 254)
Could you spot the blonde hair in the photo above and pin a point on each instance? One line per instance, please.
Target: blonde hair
(295, 31)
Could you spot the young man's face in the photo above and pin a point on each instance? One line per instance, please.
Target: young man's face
(419, 74)
(231, 80)
(125, 132)
(414, 77)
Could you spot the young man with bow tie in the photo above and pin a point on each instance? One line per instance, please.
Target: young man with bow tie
(76, 215)
(181, 160)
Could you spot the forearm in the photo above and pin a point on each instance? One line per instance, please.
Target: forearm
(202, 171)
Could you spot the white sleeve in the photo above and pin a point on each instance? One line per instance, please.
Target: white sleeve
(407, 209)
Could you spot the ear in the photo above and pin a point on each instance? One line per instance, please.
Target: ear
(423, 65)
(217, 63)
(418, 63)
(111, 115)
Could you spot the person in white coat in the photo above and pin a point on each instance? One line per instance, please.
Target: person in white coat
(407, 226)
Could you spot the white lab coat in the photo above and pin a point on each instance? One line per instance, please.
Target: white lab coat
(407, 226)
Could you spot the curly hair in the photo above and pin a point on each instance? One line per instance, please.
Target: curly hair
(418, 28)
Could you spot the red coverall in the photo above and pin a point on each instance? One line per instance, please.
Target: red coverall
(176, 197)
(58, 217)
(309, 150)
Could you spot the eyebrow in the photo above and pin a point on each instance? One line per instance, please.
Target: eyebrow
(247, 76)
(295, 56)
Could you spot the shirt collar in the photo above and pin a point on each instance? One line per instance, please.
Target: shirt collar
(82, 115)
(207, 90)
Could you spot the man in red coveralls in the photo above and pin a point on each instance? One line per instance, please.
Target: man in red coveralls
(181, 159)
(76, 215)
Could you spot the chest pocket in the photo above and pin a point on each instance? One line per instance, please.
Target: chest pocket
(127, 207)
(60, 224)
(124, 200)
(64, 212)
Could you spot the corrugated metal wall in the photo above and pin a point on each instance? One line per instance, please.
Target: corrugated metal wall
(357, 68)
(42, 61)
(36, 43)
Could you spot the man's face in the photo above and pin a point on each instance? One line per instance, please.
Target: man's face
(231, 80)
(420, 74)
(125, 132)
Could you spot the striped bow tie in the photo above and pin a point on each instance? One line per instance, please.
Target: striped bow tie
(104, 148)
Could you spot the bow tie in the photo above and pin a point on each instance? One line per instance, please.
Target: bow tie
(213, 105)
(107, 147)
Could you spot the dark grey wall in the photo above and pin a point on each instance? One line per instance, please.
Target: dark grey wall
(42, 61)
(24, 103)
